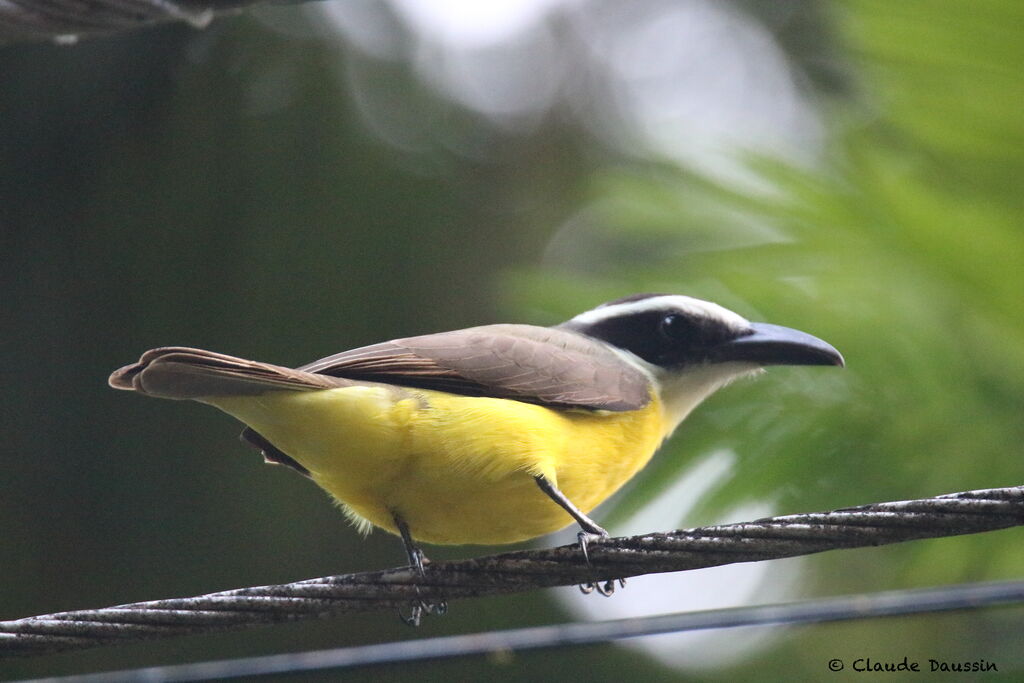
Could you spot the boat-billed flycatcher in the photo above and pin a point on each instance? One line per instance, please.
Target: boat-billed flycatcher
(490, 434)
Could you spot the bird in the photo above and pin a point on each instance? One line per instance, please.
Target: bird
(489, 435)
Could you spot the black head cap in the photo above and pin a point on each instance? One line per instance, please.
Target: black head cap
(673, 331)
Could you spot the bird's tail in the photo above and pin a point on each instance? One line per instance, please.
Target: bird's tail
(184, 373)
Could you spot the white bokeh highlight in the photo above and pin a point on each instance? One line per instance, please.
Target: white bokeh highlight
(693, 81)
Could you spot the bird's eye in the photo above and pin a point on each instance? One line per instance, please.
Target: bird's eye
(674, 326)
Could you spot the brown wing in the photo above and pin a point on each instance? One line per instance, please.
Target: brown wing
(182, 372)
(540, 365)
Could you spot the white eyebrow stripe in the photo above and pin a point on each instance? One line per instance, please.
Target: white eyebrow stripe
(684, 304)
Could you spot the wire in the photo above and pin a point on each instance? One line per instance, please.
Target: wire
(64, 21)
(888, 604)
(764, 539)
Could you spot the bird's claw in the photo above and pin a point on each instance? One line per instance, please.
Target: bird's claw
(605, 588)
(421, 607)
(412, 619)
(588, 536)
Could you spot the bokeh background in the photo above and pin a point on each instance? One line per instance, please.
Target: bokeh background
(302, 179)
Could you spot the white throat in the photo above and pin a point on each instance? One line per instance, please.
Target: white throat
(682, 391)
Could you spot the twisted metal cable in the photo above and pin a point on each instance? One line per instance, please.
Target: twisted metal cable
(822, 610)
(64, 21)
(770, 538)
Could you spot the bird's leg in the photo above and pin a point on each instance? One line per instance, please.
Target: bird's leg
(590, 531)
(417, 560)
(271, 453)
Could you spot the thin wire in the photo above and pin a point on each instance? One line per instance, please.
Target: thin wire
(771, 538)
(855, 607)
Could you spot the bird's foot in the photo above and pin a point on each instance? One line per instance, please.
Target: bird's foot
(605, 588)
(421, 607)
(588, 536)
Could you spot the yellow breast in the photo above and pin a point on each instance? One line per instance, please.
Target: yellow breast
(457, 469)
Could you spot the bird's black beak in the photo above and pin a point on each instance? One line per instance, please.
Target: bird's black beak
(776, 345)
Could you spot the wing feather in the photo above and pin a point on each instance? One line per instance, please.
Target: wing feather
(541, 365)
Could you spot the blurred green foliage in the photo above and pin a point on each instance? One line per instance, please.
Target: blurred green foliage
(904, 246)
(145, 200)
